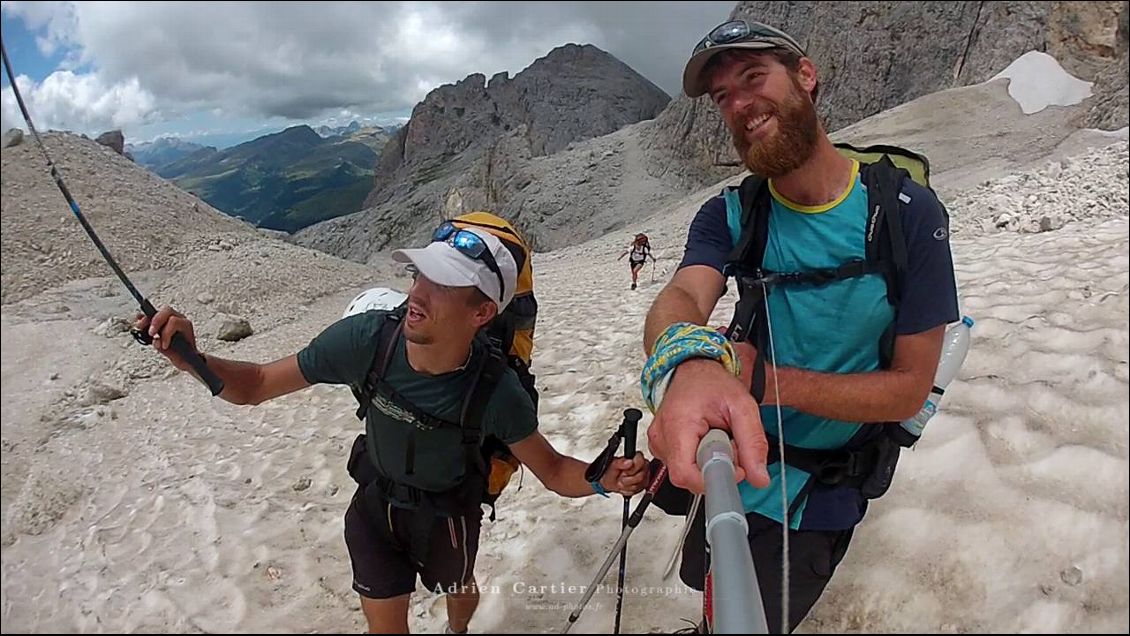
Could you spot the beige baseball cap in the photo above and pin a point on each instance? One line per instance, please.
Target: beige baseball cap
(735, 34)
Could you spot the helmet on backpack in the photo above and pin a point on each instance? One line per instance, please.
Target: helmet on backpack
(377, 298)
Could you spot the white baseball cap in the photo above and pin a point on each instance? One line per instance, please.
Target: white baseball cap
(443, 263)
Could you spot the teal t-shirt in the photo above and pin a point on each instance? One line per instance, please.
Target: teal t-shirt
(804, 317)
(405, 449)
(836, 328)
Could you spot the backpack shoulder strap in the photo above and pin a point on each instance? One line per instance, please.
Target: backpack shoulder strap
(475, 403)
(386, 346)
(747, 216)
(750, 232)
(886, 242)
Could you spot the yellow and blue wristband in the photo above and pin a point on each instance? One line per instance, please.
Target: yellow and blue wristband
(677, 344)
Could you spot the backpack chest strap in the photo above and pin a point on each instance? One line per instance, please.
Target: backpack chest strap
(818, 277)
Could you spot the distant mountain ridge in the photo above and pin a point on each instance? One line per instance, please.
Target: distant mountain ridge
(465, 143)
(375, 137)
(163, 151)
(282, 181)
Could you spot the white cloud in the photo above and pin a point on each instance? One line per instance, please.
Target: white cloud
(65, 100)
(57, 19)
(303, 61)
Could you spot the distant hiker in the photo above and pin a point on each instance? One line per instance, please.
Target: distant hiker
(640, 251)
(857, 307)
(441, 390)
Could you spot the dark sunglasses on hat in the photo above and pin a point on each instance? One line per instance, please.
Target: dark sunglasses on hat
(738, 31)
(735, 34)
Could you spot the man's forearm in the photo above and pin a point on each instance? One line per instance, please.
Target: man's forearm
(568, 480)
(241, 379)
(879, 396)
(671, 306)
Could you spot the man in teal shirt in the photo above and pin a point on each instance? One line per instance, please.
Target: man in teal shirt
(824, 370)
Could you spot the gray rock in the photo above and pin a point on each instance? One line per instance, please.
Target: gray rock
(234, 329)
(1111, 101)
(13, 137)
(302, 484)
(474, 134)
(894, 52)
(140, 373)
(1072, 576)
(204, 298)
(102, 393)
(113, 327)
(113, 139)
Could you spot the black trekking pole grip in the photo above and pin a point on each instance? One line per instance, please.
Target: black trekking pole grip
(630, 425)
(187, 353)
(628, 430)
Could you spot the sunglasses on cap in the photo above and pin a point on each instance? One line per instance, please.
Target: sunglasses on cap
(736, 31)
(472, 246)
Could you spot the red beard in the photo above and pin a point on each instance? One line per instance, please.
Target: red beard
(786, 149)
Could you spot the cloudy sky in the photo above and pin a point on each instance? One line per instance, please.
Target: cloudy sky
(225, 72)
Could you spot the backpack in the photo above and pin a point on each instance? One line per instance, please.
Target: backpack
(514, 327)
(507, 340)
(867, 462)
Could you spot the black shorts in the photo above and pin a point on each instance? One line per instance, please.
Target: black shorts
(634, 264)
(813, 557)
(382, 566)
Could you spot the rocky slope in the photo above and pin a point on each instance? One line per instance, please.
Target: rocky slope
(892, 52)
(464, 140)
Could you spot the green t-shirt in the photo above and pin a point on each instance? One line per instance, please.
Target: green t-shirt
(343, 353)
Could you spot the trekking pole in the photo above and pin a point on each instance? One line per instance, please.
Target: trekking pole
(633, 521)
(179, 344)
(735, 605)
(628, 426)
(691, 512)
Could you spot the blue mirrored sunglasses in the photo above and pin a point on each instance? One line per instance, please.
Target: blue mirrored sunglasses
(472, 246)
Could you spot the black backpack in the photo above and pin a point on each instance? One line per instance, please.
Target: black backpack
(868, 461)
(489, 462)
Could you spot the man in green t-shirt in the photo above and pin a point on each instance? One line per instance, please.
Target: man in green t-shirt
(460, 285)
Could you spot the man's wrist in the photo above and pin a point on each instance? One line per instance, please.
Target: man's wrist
(679, 343)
